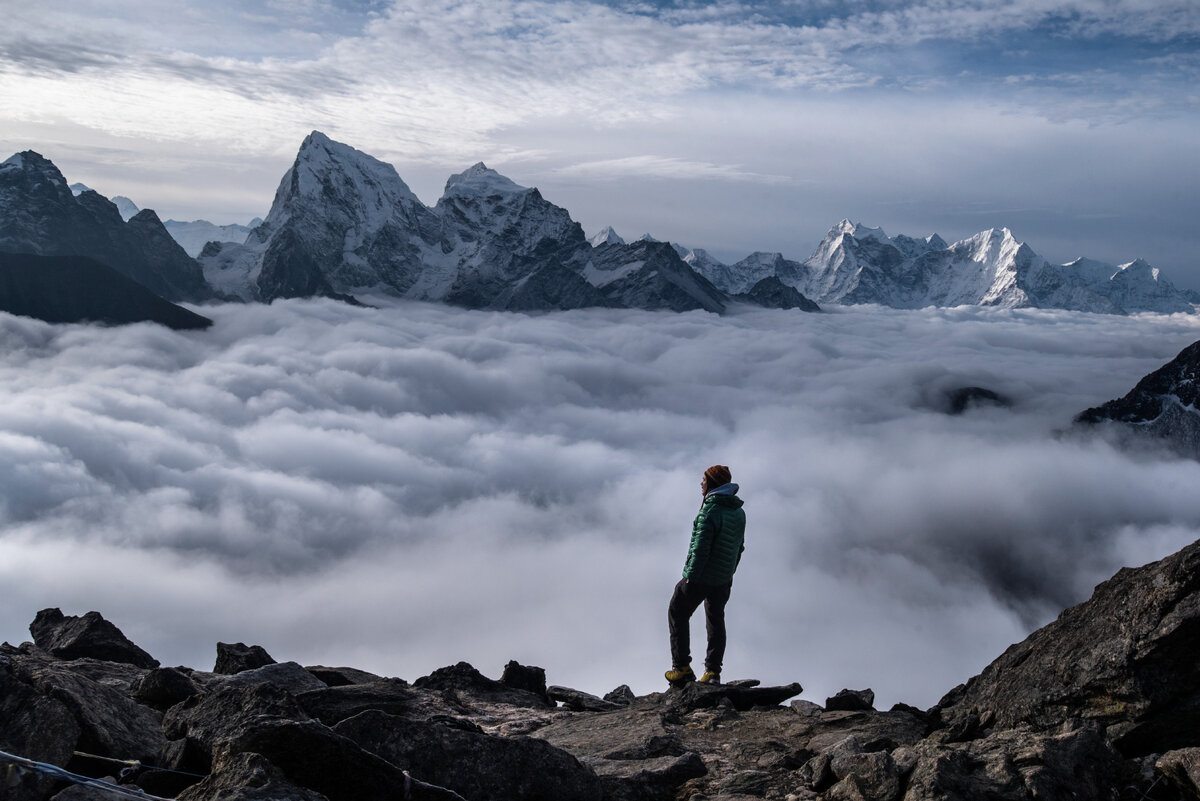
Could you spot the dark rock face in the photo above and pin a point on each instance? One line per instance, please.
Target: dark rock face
(334, 704)
(464, 681)
(36, 727)
(963, 398)
(1162, 405)
(163, 687)
(1127, 660)
(771, 293)
(40, 215)
(647, 275)
(236, 657)
(475, 765)
(111, 724)
(524, 677)
(75, 289)
(87, 636)
(247, 777)
(851, 701)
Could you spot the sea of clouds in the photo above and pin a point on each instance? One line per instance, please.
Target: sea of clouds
(405, 487)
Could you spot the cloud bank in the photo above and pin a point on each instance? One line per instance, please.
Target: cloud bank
(406, 487)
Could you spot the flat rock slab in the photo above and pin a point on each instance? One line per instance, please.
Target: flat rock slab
(331, 705)
(702, 696)
(478, 766)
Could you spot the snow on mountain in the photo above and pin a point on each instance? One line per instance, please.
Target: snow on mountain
(195, 234)
(344, 224)
(125, 207)
(607, 236)
(858, 264)
(341, 222)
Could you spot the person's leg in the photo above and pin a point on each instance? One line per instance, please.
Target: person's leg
(714, 620)
(684, 602)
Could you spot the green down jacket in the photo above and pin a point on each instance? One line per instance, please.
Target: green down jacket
(718, 536)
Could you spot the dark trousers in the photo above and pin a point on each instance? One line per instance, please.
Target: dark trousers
(687, 597)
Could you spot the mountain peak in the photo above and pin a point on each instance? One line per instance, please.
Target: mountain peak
(31, 161)
(479, 179)
(607, 236)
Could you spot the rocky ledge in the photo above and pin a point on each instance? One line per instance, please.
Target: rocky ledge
(1103, 703)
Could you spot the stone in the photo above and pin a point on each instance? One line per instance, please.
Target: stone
(747, 782)
(35, 727)
(201, 724)
(247, 777)
(87, 636)
(580, 701)
(695, 696)
(1125, 659)
(112, 724)
(806, 709)
(522, 677)
(875, 775)
(312, 756)
(631, 749)
(289, 676)
(1182, 768)
(1020, 763)
(334, 704)
(471, 763)
(162, 688)
(342, 676)
(622, 696)
(852, 701)
(236, 657)
(465, 682)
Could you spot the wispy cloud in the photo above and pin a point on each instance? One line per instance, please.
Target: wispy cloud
(665, 167)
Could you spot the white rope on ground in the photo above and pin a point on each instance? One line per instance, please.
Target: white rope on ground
(56, 772)
(136, 763)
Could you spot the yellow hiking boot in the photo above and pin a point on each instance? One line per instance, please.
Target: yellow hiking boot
(680, 675)
(710, 678)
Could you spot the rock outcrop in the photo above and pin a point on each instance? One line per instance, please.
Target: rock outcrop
(76, 289)
(1103, 703)
(40, 215)
(1164, 405)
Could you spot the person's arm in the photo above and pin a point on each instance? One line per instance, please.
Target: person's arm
(704, 530)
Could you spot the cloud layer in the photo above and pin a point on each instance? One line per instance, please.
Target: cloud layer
(410, 486)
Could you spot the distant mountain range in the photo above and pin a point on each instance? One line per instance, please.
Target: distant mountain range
(345, 225)
(856, 264)
(192, 235)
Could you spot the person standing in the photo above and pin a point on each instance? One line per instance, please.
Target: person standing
(718, 539)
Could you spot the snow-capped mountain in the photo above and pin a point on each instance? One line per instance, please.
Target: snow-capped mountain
(606, 236)
(125, 207)
(1164, 404)
(344, 223)
(40, 215)
(193, 235)
(858, 264)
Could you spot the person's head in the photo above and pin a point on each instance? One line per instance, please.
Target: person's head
(716, 476)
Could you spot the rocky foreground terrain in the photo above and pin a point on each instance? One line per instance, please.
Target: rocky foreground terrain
(1103, 703)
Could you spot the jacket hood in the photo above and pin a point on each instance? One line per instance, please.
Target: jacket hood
(725, 495)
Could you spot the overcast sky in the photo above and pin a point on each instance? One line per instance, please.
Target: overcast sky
(735, 126)
(401, 488)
